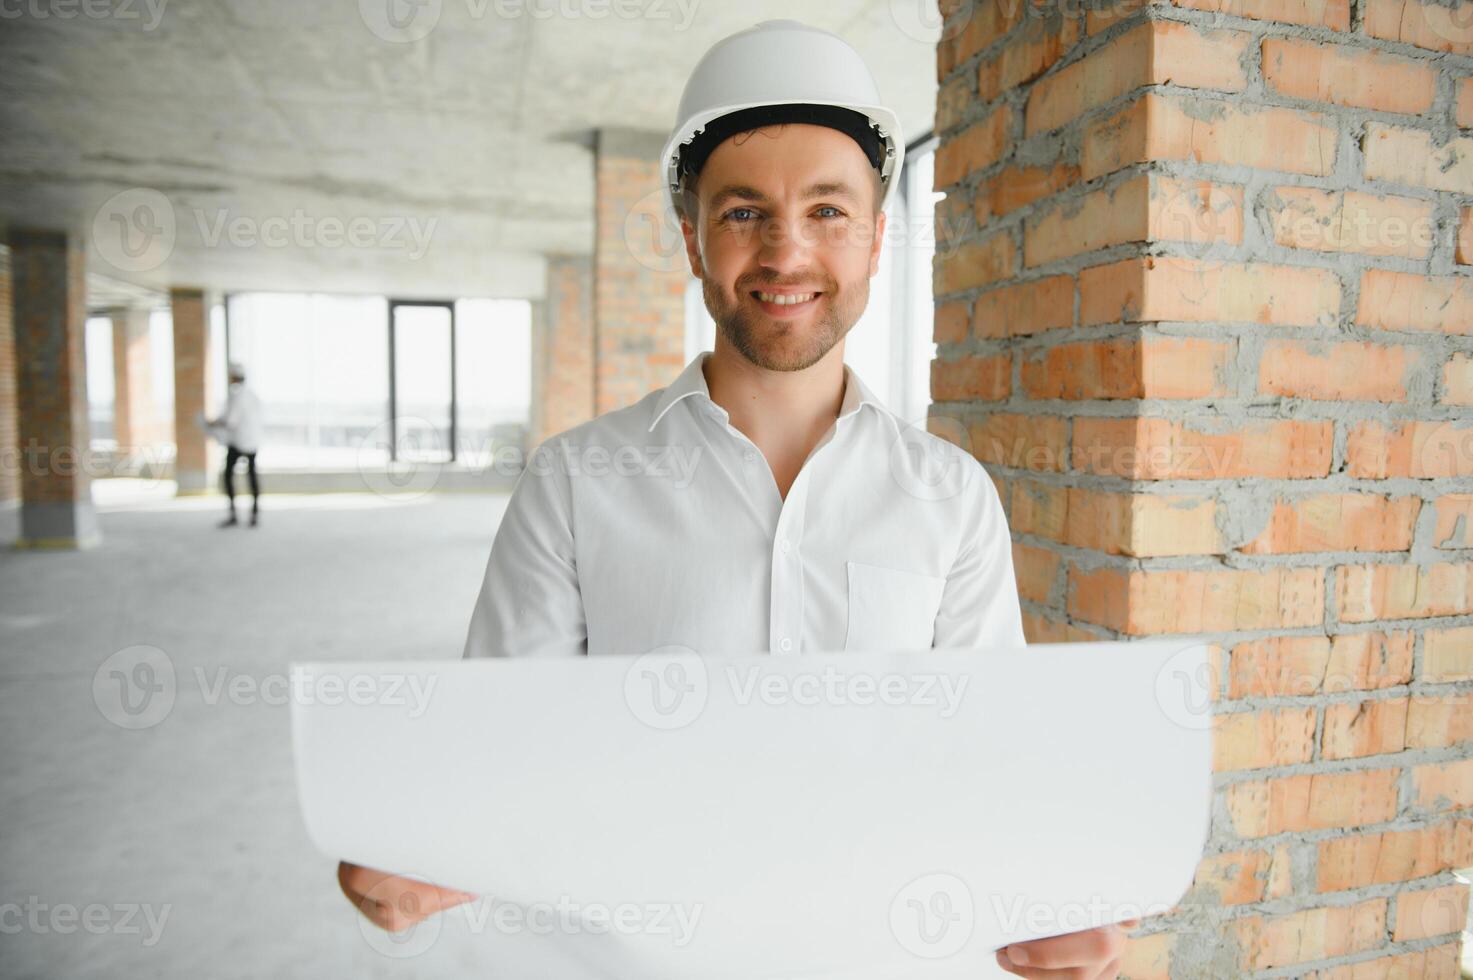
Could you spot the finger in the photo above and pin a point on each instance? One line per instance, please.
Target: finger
(1076, 949)
(1033, 973)
(1130, 923)
(1111, 970)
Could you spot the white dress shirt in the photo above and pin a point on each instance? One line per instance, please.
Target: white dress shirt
(240, 422)
(660, 525)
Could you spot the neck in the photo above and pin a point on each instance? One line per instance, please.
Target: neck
(782, 409)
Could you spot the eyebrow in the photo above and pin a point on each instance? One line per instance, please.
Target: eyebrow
(824, 188)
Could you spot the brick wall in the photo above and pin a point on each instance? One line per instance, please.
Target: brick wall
(197, 458)
(562, 349)
(9, 459)
(1205, 311)
(134, 423)
(640, 273)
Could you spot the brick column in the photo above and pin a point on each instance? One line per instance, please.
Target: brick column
(198, 459)
(562, 349)
(133, 411)
(10, 458)
(50, 316)
(639, 272)
(1205, 311)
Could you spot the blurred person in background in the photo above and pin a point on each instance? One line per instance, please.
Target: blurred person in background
(239, 428)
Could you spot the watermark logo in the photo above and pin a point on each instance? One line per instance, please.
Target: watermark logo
(932, 465)
(135, 687)
(400, 21)
(96, 918)
(413, 466)
(149, 11)
(406, 943)
(1184, 688)
(933, 916)
(135, 230)
(667, 688)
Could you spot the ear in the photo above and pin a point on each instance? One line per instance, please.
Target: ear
(874, 249)
(692, 248)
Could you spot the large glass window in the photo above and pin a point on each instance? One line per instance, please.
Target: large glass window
(101, 411)
(319, 364)
(422, 380)
(493, 380)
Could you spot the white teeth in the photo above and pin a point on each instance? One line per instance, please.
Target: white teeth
(785, 300)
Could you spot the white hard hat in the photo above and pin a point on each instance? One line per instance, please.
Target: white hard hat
(782, 63)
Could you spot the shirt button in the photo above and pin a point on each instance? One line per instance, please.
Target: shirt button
(786, 644)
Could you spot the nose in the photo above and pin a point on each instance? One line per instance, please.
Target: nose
(784, 247)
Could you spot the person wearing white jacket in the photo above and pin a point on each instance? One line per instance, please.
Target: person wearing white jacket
(239, 426)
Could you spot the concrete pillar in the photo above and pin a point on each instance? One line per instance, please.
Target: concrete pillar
(640, 273)
(10, 458)
(562, 349)
(134, 424)
(197, 458)
(50, 315)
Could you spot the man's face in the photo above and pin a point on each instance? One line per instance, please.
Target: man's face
(789, 210)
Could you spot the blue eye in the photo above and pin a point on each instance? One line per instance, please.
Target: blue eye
(735, 210)
(827, 207)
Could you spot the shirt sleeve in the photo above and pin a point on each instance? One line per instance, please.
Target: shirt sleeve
(979, 605)
(530, 603)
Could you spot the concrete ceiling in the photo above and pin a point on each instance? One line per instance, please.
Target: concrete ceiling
(310, 145)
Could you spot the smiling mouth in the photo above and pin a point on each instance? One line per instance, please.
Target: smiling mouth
(785, 304)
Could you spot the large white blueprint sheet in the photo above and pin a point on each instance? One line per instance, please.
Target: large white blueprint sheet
(819, 815)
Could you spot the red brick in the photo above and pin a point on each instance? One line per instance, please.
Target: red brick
(1294, 666)
(1348, 76)
(975, 148)
(1442, 786)
(1312, 801)
(1189, 601)
(1447, 654)
(1334, 14)
(1436, 961)
(1041, 43)
(1152, 53)
(1026, 307)
(1464, 254)
(972, 378)
(1365, 593)
(1157, 127)
(1152, 289)
(975, 264)
(1337, 522)
(1036, 569)
(1034, 442)
(1427, 25)
(1457, 380)
(1393, 855)
(1409, 156)
(1163, 449)
(1260, 739)
(1150, 367)
(1348, 221)
(1309, 934)
(1325, 370)
(1430, 912)
(1369, 727)
(1454, 527)
(1378, 450)
(1405, 301)
(953, 322)
(1147, 207)
(1439, 721)
(1016, 187)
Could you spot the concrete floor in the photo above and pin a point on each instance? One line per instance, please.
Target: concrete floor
(194, 821)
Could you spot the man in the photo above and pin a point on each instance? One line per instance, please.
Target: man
(765, 500)
(239, 427)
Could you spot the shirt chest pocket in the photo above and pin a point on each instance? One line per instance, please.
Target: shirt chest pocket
(891, 609)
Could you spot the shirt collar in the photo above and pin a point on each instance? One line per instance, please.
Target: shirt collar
(692, 381)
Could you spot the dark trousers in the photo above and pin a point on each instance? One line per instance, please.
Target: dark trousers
(228, 477)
